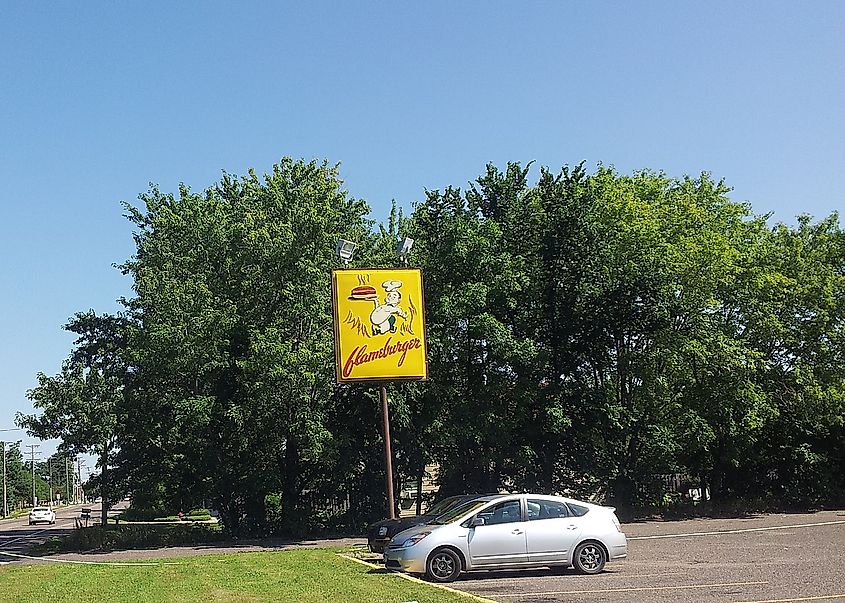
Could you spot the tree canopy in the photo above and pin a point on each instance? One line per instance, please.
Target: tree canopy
(588, 333)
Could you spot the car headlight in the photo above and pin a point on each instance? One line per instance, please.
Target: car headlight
(409, 542)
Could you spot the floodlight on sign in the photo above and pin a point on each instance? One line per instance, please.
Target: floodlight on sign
(403, 247)
(345, 250)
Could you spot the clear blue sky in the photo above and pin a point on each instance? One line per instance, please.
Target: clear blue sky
(97, 99)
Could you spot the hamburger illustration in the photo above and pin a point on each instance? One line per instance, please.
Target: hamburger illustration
(364, 292)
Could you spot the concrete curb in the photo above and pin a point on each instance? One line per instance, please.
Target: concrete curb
(417, 580)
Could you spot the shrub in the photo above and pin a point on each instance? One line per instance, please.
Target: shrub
(126, 537)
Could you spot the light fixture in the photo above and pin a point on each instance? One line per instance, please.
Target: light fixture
(403, 248)
(345, 250)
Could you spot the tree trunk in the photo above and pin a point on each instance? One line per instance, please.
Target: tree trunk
(290, 483)
(104, 485)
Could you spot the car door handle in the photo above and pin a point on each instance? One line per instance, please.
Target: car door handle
(572, 527)
(517, 532)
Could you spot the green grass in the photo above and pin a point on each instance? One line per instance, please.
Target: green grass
(300, 576)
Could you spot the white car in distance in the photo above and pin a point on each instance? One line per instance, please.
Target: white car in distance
(510, 531)
(42, 515)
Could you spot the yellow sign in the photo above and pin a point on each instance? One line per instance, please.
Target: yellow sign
(379, 325)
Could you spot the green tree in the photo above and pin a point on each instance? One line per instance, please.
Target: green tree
(235, 351)
(81, 404)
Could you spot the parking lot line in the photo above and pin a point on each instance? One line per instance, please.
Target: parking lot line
(816, 598)
(719, 532)
(636, 589)
(412, 579)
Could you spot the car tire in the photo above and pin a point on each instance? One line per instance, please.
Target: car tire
(443, 565)
(589, 558)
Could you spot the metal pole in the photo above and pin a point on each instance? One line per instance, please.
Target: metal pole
(67, 481)
(388, 457)
(5, 504)
(32, 448)
(50, 479)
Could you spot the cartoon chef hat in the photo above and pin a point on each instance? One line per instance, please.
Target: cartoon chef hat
(391, 285)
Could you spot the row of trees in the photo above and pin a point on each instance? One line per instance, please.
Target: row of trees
(55, 475)
(588, 332)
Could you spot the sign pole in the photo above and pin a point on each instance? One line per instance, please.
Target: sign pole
(388, 457)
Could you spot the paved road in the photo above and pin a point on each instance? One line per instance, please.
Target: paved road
(783, 558)
(16, 535)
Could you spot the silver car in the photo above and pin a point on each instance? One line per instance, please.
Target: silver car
(510, 531)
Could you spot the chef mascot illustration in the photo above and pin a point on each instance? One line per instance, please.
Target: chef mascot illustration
(383, 315)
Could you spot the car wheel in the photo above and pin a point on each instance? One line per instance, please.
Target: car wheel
(589, 558)
(443, 565)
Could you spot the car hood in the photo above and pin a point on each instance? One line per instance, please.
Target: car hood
(412, 531)
(402, 523)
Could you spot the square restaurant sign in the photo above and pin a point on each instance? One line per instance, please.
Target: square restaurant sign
(379, 326)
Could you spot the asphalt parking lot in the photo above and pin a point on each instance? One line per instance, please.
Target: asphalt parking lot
(773, 558)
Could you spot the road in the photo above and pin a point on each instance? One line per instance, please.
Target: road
(16, 535)
(773, 558)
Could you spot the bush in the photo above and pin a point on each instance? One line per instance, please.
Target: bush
(127, 537)
(133, 514)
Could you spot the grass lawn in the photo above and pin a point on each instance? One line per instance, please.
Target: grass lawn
(301, 576)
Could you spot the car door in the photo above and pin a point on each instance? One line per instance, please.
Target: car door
(551, 531)
(501, 540)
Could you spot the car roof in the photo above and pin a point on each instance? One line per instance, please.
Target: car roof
(40, 508)
(489, 497)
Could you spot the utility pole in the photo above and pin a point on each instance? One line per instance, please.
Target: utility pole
(32, 448)
(50, 478)
(5, 504)
(67, 481)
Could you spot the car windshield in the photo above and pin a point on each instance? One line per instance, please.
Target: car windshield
(459, 511)
(443, 506)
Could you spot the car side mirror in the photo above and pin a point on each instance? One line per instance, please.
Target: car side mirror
(477, 521)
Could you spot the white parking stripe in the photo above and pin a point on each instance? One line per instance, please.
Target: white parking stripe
(635, 589)
(817, 598)
(720, 532)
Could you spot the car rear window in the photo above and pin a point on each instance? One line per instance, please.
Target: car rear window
(40, 509)
(578, 510)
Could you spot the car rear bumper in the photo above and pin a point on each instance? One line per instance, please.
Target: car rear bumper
(619, 549)
(378, 545)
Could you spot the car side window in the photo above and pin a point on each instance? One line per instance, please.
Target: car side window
(546, 509)
(505, 512)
